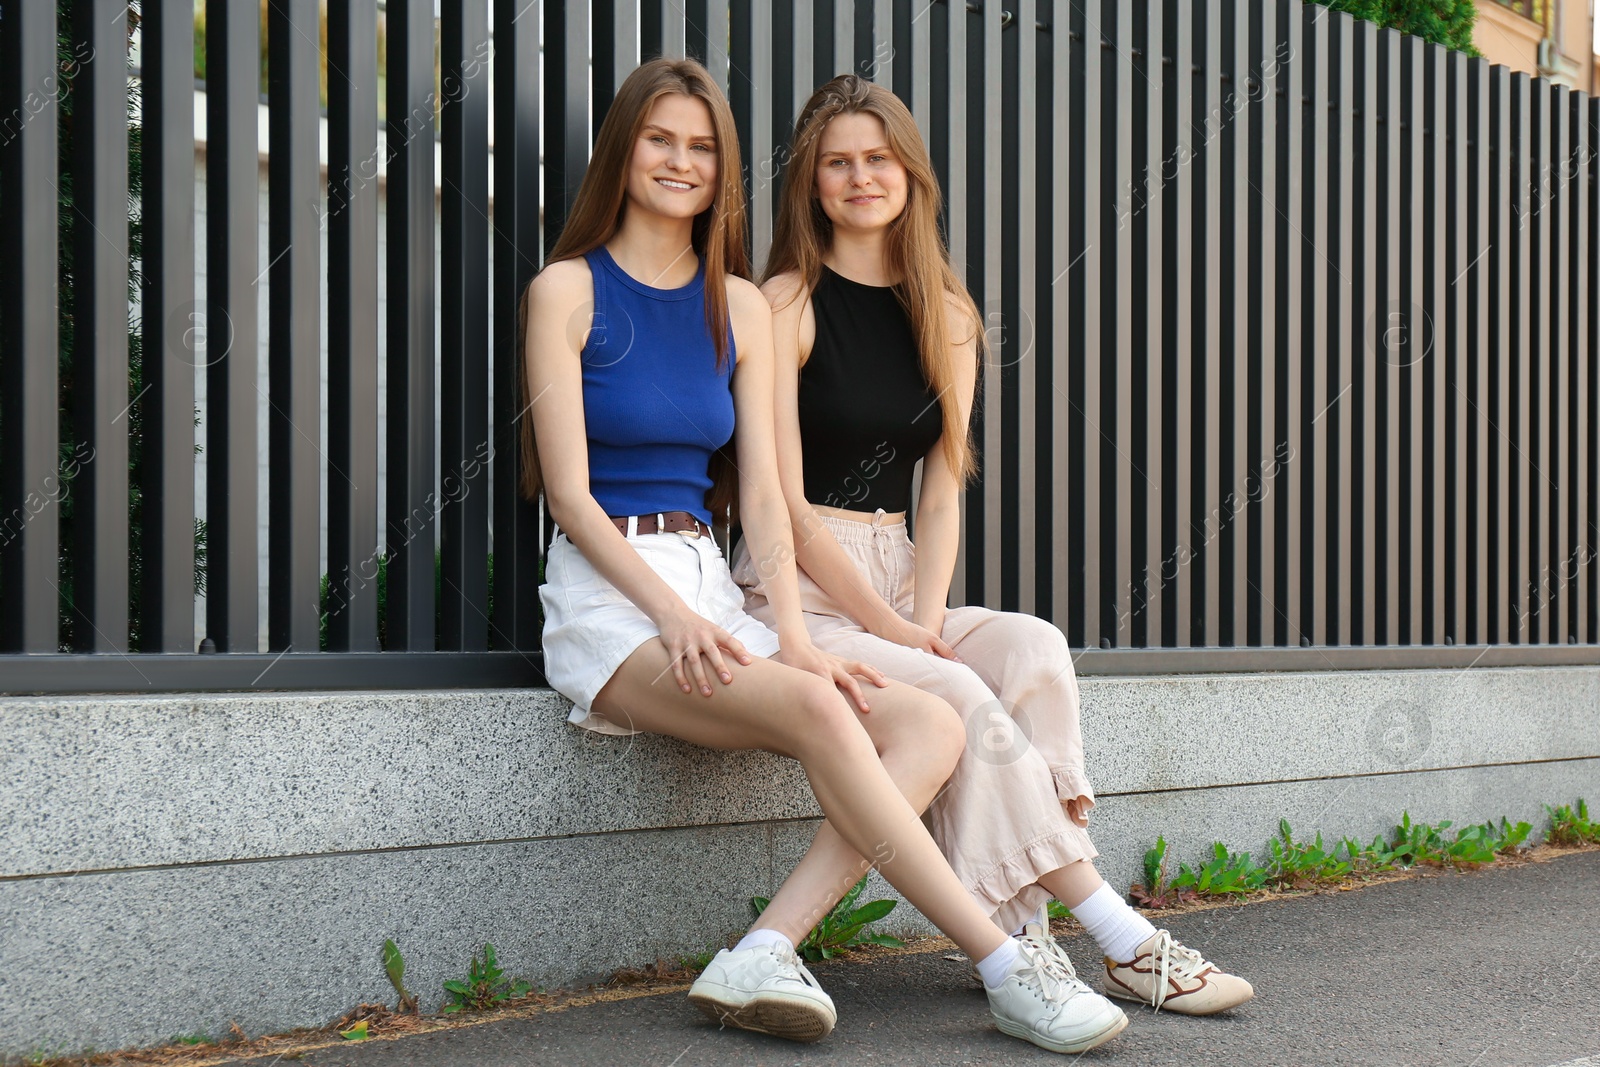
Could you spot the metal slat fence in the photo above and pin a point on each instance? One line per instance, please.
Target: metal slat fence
(1294, 324)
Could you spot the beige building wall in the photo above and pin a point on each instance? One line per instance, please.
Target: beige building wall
(1552, 39)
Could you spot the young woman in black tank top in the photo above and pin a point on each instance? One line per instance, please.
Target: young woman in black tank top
(878, 346)
(643, 624)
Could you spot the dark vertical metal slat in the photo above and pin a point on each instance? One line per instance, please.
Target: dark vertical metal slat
(956, 207)
(976, 531)
(751, 91)
(294, 346)
(1536, 461)
(1439, 359)
(517, 541)
(1458, 289)
(1584, 503)
(1476, 296)
(1063, 508)
(29, 474)
(1368, 362)
(167, 599)
(1557, 474)
(1291, 198)
(1119, 116)
(1183, 310)
(229, 325)
(1314, 471)
(464, 339)
(1344, 339)
(352, 326)
(616, 50)
(98, 147)
(1523, 191)
(1390, 304)
(1000, 484)
(651, 27)
(900, 73)
(985, 192)
(1414, 198)
(1208, 446)
(1149, 205)
(566, 93)
(409, 502)
(1243, 74)
(1497, 427)
(1089, 403)
(783, 106)
(1263, 465)
(1021, 341)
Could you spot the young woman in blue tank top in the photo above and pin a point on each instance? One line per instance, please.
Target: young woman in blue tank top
(878, 346)
(646, 348)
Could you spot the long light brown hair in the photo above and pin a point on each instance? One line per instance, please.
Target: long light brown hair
(596, 215)
(915, 249)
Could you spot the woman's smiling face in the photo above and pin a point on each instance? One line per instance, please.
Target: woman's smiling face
(861, 183)
(674, 168)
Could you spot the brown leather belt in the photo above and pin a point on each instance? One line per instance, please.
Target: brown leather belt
(664, 522)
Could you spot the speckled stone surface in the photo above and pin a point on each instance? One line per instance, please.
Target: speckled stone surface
(1207, 730)
(98, 783)
(103, 783)
(134, 958)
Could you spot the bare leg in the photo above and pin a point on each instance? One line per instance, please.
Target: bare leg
(1074, 883)
(783, 710)
(919, 739)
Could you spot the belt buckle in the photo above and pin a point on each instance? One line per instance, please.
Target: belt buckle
(693, 531)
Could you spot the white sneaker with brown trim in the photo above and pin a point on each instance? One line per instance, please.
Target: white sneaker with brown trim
(1164, 973)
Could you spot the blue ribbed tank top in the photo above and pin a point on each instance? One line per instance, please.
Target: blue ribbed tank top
(655, 404)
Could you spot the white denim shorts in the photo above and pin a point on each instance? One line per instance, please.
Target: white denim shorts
(591, 627)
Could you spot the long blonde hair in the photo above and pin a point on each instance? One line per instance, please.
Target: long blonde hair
(916, 251)
(597, 210)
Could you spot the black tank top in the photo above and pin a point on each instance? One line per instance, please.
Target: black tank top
(867, 414)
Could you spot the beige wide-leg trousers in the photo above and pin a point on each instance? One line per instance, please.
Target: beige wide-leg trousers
(999, 819)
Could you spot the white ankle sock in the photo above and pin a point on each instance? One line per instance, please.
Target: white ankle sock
(1113, 923)
(996, 965)
(763, 936)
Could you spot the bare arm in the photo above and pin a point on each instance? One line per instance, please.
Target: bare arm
(939, 503)
(561, 300)
(762, 509)
(816, 550)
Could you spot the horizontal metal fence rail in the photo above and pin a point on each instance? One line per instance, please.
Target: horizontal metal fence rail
(1292, 326)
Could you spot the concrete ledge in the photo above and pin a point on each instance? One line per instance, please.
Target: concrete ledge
(170, 865)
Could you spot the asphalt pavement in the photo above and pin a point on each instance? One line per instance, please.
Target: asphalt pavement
(1494, 968)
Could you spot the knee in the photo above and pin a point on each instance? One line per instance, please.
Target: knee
(942, 736)
(820, 719)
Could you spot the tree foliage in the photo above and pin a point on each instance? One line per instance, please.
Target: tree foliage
(1446, 22)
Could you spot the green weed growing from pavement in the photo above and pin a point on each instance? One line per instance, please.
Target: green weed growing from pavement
(486, 986)
(1225, 874)
(1300, 865)
(1057, 910)
(1375, 858)
(1472, 846)
(1571, 826)
(1508, 839)
(843, 928)
(394, 965)
(1156, 891)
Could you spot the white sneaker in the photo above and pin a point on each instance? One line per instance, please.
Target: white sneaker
(1042, 1001)
(764, 988)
